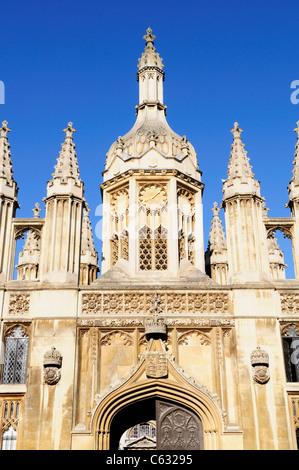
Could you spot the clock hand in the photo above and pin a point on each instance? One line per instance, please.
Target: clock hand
(151, 197)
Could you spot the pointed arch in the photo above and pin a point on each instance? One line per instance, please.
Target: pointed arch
(197, 401)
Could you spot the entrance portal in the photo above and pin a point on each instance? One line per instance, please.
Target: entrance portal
(176, 427)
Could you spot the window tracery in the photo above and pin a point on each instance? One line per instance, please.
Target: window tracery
(15, 356)
(153, 234)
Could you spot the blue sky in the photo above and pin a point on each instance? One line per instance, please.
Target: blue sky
(225, 61)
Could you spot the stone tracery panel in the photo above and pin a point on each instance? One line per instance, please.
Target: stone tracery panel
(140, 302)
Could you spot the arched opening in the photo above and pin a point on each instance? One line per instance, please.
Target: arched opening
(176, 427)
(280, 254)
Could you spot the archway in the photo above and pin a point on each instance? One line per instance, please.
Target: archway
(119, 409)
(177, 427)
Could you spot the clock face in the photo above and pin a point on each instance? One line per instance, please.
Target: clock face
(153, 195)
(120, 201)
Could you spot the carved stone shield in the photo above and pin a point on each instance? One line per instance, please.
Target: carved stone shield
(156, 364)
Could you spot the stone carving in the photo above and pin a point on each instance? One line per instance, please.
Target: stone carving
(197, 303)
(112, 303)
(155, 325)
(126, 338)
(92, 304)
(19, 304)
(260, 364)
(156, 364)
(184, 338)
(135, 322)
(289, 303)
(52, 365)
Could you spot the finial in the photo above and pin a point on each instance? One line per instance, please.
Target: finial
(215, 209)
(4, 129)
(236, 131)
(69, 130)
(36, 211)
(149, 37)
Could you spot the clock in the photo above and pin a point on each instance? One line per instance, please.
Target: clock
(153, 195)
(120, 201)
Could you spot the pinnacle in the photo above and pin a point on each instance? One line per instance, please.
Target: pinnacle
(87, 241)
(217, 238)
(239, 166)
(67, 164)
(295, 177)
(5, 154)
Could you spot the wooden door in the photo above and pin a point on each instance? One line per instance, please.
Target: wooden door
(177, 428)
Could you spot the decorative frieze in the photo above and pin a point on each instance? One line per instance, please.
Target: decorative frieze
(140, 303)
(171, 322)
(19, 304)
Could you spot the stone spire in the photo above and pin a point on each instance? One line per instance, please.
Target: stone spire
(66, 177)
(216, 254)
(240, 178)
(294, 183)
(87, 241)
(89, 258)
(5, 160)
(217, 240)
(67, 164)
(8, 203)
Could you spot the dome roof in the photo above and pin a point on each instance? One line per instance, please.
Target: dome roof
(151, 129)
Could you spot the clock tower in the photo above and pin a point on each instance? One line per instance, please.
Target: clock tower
(152, 191)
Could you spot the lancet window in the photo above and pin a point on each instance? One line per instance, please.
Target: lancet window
(153, 223)
(15, 356)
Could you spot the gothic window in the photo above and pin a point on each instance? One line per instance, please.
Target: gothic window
(143, 429)
(290, 341)
(9, 423)
(153, 249)
(15, 356)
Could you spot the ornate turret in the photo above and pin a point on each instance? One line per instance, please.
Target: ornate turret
(60, 255)
(152, 190)
(247, 246)
(8, 201)
(151, 129)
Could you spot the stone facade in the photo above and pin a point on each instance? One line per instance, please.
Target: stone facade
(208, 336)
